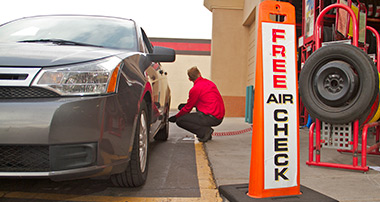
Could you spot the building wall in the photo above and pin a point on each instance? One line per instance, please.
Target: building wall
(178, 79)
(249, 21)
(251, 64)
(233, 50)
(228, 53)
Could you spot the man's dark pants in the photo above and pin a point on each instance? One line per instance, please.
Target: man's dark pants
(198, 123)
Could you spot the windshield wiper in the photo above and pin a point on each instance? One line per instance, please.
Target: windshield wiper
(58, 42)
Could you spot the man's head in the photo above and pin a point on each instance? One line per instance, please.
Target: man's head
(193, 73)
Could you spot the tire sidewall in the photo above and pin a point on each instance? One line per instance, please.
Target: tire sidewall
(140, 174)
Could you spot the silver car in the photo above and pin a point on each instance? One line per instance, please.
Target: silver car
(80, 97)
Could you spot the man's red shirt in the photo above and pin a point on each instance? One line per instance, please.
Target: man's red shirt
(205, 96)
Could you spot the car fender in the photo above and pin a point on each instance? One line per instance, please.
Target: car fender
(146, 96)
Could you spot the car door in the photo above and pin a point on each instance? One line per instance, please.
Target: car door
(160, 95)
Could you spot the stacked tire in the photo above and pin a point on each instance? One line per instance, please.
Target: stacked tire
(339, 84)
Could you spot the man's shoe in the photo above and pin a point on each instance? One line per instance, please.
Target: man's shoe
(208, 136)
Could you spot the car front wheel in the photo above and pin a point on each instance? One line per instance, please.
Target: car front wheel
(137, 169)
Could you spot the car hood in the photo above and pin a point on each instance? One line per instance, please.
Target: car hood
(48, 54)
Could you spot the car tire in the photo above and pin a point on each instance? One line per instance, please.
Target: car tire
(137, 169)
(339, 84)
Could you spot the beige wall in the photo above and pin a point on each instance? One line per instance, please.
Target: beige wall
(177, 75)
(249, 21)
(228, 53)
(233, 50)
(229, 45)
(224, 4)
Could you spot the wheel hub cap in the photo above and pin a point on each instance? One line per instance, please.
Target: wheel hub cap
(143, 142)
(335, 83)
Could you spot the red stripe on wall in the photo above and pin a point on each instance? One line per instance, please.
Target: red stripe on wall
(178, 46)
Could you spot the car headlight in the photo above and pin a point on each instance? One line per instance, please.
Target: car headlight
(91, 78)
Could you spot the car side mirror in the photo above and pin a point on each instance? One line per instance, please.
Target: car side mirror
(162, 54)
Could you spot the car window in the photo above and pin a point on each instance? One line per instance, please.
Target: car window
(99, 31)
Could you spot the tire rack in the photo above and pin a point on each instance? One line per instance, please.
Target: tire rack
(374, 149)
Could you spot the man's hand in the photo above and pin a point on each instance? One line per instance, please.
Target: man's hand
(180, 106)
(172, 119)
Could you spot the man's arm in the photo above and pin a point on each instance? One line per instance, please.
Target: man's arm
(191, 102)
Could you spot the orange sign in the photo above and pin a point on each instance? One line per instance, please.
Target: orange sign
(275, 152)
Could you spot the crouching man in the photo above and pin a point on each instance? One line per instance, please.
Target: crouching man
(205, 97)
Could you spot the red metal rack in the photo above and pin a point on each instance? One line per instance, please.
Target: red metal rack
(374, 149)
(316, 149)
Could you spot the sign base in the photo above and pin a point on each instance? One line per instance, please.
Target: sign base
(238, 193)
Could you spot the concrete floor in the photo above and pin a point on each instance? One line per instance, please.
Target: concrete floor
(229, 157)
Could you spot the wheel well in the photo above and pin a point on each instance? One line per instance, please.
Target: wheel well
(148, 100)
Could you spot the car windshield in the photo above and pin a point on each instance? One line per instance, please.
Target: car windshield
(96, 31)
